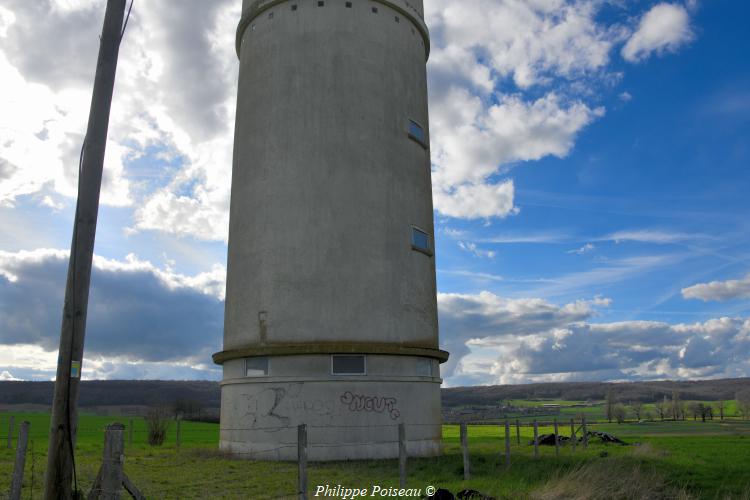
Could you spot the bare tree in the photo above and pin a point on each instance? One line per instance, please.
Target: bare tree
(676, 406)
(157, 423)
(662, 408)
(693, 409)
(721, 405)
(706, 411)
(610, 404)
(743, 403)
(619, 413)
(637, 408)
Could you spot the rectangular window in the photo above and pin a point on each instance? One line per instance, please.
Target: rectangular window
(416, 132)
(342, 364)
(256, 367)
(424, 367)
(374, 10)
(321, 3)
(420, 241)
(294, 7)
(348, 5)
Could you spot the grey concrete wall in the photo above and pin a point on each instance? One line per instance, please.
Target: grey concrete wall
(348, 417)
(326, 182)
(326, 188)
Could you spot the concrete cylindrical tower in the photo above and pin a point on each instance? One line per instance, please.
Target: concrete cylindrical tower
(331, 313)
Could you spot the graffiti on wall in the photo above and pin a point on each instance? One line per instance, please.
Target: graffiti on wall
(374, 404)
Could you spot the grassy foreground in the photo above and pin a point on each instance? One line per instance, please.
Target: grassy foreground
(674, 460)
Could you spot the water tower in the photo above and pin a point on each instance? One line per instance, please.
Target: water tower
(331, 313)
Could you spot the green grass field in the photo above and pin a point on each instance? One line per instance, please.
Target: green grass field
(705, 460)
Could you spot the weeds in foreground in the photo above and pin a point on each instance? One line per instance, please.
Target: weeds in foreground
(609, 479)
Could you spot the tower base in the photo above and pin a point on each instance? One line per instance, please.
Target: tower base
(348, 417)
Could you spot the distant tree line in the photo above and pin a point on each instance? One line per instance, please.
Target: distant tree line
(643, 392)
(205, 394)
(674, 408)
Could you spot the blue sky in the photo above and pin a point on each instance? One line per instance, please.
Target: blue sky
(589, 176)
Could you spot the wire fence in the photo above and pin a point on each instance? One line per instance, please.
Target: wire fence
(151, 465)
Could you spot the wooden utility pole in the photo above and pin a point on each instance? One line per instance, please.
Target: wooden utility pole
(60, 459)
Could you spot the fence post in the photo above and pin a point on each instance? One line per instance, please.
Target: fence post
(585, 434)
(557, 441)
(130, 434)
(111, 471)
(11, 422)
(17, 481)
(402, 455)
(465, 449)
(536, 439)
(507, 444)
(179, 421)
(302, 461)
(573, 438)
(518, 432)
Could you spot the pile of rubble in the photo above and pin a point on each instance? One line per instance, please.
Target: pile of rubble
(606, 438)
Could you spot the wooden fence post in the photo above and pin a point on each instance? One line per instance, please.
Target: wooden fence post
(179, 421)
(557, 440)
(507, 444)
(130, 434)
(11, 422)
(518, 432)
(536, 439)
(585, 434)
(111, 476)
(302, 461)
(465, 449)
(17, 481)
(402, 455)
(573, 438)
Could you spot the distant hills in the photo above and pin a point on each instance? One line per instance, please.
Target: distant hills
(117, 393)
(646, 392)
(207, 394)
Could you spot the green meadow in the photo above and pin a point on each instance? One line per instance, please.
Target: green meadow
(690, 459)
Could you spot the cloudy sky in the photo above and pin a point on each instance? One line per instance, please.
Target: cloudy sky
(590, 178)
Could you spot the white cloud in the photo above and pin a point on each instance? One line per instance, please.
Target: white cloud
(163, 102)
(588, 247)
(42, 126)
(502, 341)
(472, 141)
(719, 290)
(464, 317)
(6, 376)
(664, 28)
(527, 41)
(473, 249)
(479, 130)
(650, 236)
